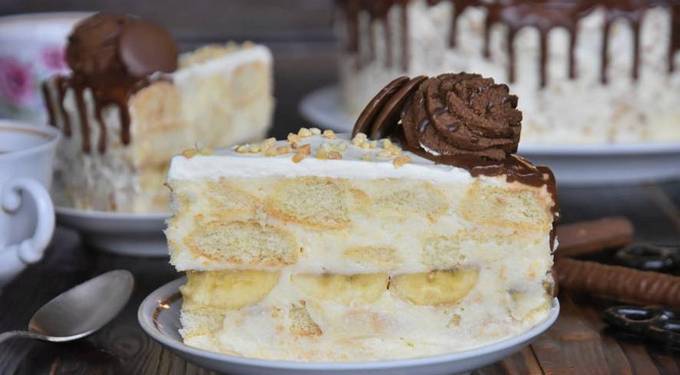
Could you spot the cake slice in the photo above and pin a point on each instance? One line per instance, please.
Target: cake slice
(131, 103)
(339, 248)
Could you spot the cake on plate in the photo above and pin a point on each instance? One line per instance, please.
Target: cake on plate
(419, 234)
(586, 71)
(131, 103)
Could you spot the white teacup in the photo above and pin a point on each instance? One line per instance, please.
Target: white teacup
(31, 50)
(26, 210)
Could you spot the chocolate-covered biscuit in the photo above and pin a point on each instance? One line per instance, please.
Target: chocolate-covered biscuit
(375, 105)
(593, 236)
(621, 283)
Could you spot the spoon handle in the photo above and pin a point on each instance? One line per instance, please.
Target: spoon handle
(19, 334)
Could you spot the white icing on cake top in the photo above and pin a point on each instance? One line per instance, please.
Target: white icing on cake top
(356, 162)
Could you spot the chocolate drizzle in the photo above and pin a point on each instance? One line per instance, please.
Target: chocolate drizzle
(378, 11)
(111, 57)
(464, 120)
(674, 46)
(542, 15)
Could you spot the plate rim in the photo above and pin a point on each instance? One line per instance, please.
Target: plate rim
(109, 215)
(616, 149)
(166, 290)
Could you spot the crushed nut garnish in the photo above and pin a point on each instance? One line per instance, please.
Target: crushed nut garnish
(268, 142)
(306, 149)
(283, 150)
(315, 131)
(298, 157)
(329, 134)
(247, 149)
(189, 153)
(401, 160)
(304, 133)
(293, 139)
(334, 155)
(359, 139)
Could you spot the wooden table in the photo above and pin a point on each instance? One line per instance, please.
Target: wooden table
(305, 58)
(577, 344)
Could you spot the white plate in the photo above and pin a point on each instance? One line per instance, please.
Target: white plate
(118, 232)
(159, 317)
(572, 164)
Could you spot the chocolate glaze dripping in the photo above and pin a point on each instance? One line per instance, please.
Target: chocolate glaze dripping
(405, 45)
(674, 46)
(62, 85)
(78, 91)
(47, 97)
(543, 15)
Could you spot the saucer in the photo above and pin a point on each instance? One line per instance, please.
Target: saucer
(159, 317)
(573, 165)
(135, 234)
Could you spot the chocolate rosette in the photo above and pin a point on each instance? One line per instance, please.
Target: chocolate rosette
(462, 114)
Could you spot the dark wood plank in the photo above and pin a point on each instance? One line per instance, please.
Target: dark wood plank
(571, 346)
(520, 363)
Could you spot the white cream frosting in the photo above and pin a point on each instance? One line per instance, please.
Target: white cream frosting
(353, 165)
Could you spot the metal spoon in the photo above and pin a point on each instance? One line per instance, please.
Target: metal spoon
(79, 311)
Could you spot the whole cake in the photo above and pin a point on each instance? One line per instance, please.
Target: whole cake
(426, 236)
(131, 103)
(587, 71)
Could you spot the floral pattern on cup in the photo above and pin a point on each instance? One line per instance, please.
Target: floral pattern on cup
(16, 82)
(54, 59)
(20, 79)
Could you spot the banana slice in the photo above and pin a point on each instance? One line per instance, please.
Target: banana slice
(346, 289)
(436, 287)
(227, 289)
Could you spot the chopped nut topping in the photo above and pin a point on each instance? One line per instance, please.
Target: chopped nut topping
(271, 151)
(189, 153)
(298, 157)
(293, 139)
(329, 134)
(304, 133)
(334, 155)
(359, 139)
(268, 142)
(315, 131)
(322, 154)
(283, 150)
(247, 149)
(305, 150)
(401, 160)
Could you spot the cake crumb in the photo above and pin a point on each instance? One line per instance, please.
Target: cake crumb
(329, 134)
(401, 160)
(454, 322)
